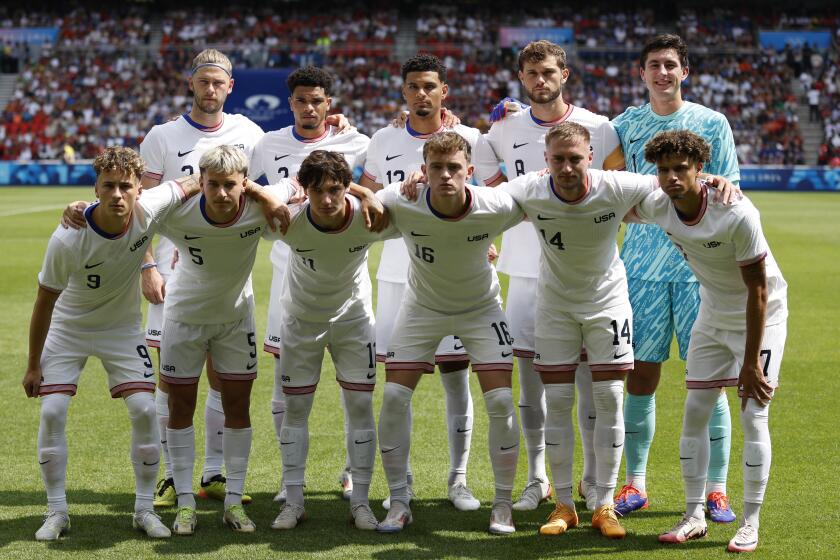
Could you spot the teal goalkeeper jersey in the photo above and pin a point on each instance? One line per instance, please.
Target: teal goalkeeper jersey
(647, 253)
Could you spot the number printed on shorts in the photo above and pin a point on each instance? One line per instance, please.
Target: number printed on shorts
(195, 253)
(143, 352)
(625, 332)
(253, 344)
(556, 240)
(766, 355)
(371, 347)
(93, 281)
(502, 332)
(425, 253)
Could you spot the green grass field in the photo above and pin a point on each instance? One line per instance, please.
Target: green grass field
(800, 515)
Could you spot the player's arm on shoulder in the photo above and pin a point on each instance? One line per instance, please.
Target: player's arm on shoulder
(375, 215)
(272, 199)
(725, 191)
(751, 377)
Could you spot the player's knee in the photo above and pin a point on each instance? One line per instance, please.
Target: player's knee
(141, 408)
(690, 448)
(358, 404)
(560, 399)
(396, 399)
(54, 411)
(499, 402)
(148, 454)
(698, 408)
(297, 409)
(755, 420)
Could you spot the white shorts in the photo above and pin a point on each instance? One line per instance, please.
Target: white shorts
(715, 356)
(389, 299)
(606, 334)
(123, 353)
(520, 308)
(232, 346)
(418, 332)
(352, 345)
(271, 343)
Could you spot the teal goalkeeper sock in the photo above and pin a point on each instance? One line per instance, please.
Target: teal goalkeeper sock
(720, 437)
(639, 426)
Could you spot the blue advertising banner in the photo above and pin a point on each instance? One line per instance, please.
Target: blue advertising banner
(521, 36)
(31, 35)
(262, 96)
(818, 39)
(33, 173)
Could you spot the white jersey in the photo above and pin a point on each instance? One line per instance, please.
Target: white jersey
(173, 149)
(328, 279)
(519, 141)
(279, 153)
(97, 273)
(213, 280)
(449, 271)
(396, 152)
(715, 245)
(580, 270)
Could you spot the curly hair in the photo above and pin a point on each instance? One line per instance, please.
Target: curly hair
(310, 76)
(447, 143)
(321, 165)
(424, 63)
(537, 51)
(677, 143)
(121, 160)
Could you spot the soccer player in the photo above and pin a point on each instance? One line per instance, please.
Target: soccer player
(326, 303)
(518, 140)
(209, 309)
(170, 150)
(393, 154)
(278, 155)
(88, 304)
(452, 288)
(663, 291)
(738, 338)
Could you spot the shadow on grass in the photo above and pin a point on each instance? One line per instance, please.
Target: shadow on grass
(438, 530)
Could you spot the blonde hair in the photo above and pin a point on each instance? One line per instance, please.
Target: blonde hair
(121, 160)
(212, 57)
(224, 160)
(447, 143)
(567, 132)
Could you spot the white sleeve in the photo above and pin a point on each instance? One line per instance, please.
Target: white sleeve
(58, 265)
(606, 143)
(517, 187)
(256, 169)
(371, 170)
(389, 195)
(359, 147)
(157, 202)
(486, 164)
(634, 187)
(750, 245)
(646, 209)
(153, 151)
(494, 140)
(282, 190)
(509, 209)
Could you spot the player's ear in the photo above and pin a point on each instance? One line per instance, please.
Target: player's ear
(699, 166)
(329, 103)
(470, 170)
(565, 74)
(230, 86)
(423, 169)
(444, 90)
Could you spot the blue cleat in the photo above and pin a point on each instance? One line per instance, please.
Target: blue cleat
(629, 499)
(717, 504)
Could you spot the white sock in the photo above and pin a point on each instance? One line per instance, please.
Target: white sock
(347, 466)
(278, 404)
(694, 447)
(52, 449)
(182, 452)
(532, 415)
(360, 442)
(162, 409)
(145, 447)
(586, 420)
(237, 448)
(757, 458)
(503, 440)
(214, 426)
(609, 436)
(294, 444)
(459, 422)
(395, 438)
(560, 432)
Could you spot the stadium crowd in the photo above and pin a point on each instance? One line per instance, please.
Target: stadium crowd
(83, 91)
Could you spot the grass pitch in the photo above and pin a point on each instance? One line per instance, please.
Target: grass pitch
(799, 517)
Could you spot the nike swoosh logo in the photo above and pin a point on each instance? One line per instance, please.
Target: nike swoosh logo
(185, 153)
(591, 417)
(371, 375)
(251, 366)
(357, 442)
(278, 158)
(44, 462)
(191, 237)
(458, 347)
(304, 250)
(716, 438)
(625, 431)
(93, 265)
(619, 356)
(286, 442)
(389, 450)
(389, 158)
(148, 375)
(463, 431)
(151, 464)
(544, 217)
(686, 458)
(549, 443)
(506, 354)
(220, 433)
(758, 465)
(634, 140)
(617, 445)
(515, 145)
(503, 448)
(419, 234)
(278, 412)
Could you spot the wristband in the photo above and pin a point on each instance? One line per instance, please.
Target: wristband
(147, 266)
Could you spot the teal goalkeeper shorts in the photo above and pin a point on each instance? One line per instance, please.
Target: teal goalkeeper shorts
(659, 310)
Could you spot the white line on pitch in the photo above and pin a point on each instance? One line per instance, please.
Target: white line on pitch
(29, 210)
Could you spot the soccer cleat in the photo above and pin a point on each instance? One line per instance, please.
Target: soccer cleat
(563, 517)
(386, 503)
(630, 499)
(535, 492)
(149, 522)
(215, 489)
(398, 517)
(289, 517)
(56, 523)
(687, 529)
(363, 517)
(462, 498)
(280, 497)
(346, 483)
(604, 519)
(589, 493)
(717, 504)
(236, 518)
(185, 521)
(165, 493)
(501, 519)
(745, 540)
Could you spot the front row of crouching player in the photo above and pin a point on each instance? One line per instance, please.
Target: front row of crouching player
(448, 226)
